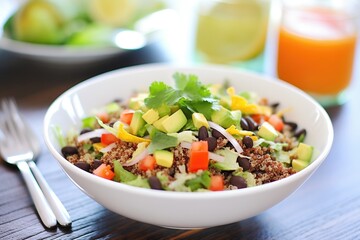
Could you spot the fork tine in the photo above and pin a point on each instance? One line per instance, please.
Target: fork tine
(10, 127)
(30, 135)
(23, 131)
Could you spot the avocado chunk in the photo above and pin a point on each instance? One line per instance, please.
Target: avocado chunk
(163, 110)
(304, 152)
(226, 118)
(151, 116)
(174, 122)
(199, 120)
(268, 132)
(164, 158)
(299, 165)
(137, 123)
(158, 123)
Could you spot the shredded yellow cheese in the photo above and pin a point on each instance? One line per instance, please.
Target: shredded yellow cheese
(240, 103)
(234, 131)
(127, 137)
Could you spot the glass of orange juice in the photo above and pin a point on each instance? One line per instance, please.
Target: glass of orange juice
(232, 31)
(317, 45)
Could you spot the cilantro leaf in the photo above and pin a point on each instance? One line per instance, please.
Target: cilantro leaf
(189, 93)
(168, 96)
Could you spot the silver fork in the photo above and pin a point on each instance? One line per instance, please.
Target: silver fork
(19, 146)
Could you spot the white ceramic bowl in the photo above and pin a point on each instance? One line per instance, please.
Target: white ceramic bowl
(179, 209)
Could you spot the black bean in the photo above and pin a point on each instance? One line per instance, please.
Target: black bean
(301, 133)
(172, 171)
(229, 145)
(95, 139)
(244, 125)
(226, 174)
(244, 163)
(69, 150)
(252, 124)
(155, 183)
(238, 181)
(292, 125)
(248, 142)
(203, 133)
(85, 130)
(83, 165)
(96, 164)
(216, 134)
(274, 105)
(118, 100)
(212, 143)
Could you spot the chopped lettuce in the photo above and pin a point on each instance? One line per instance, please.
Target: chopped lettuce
(230, 163)
(179, 183)
(122, 175)
(139, 182)
(199, 182)
(164, 179)
(162, 141)
(191, 182)
(248, 176)
(271, 144)
(184, 136)
(107, 127)
(283, 157)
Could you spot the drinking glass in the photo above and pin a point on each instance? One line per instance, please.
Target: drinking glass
(232, 32)
(316, 47)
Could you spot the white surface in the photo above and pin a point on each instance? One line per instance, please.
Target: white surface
(176, 209)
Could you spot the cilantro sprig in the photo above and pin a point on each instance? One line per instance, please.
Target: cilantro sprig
(189, 93)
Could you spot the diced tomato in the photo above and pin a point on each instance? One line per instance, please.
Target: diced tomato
(259, 118)
(104, 171)
(199, 156)
(216, 183)
(276, 122)
(104, 117)
(148, 163)
(126, 116)
(108, 138)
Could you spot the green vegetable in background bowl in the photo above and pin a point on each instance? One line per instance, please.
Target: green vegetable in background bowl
(39, 22)
(76, 22)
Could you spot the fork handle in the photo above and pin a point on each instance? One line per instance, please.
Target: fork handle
(57, 207)
(41, 205)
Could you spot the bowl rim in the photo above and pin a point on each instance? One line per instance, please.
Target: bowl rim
(188, 195)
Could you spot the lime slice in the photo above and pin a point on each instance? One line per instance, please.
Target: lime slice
(38, 21)
(233, 30)
(116, 13)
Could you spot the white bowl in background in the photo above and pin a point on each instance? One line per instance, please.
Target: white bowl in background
(182, 209)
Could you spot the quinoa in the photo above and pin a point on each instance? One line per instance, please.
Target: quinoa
(234, 150)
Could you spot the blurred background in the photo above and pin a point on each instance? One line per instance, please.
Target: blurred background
(83, 38)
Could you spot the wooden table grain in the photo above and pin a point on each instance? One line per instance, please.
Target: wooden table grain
(327, 206)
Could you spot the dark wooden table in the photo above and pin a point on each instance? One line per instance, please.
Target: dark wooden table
(327, 206)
